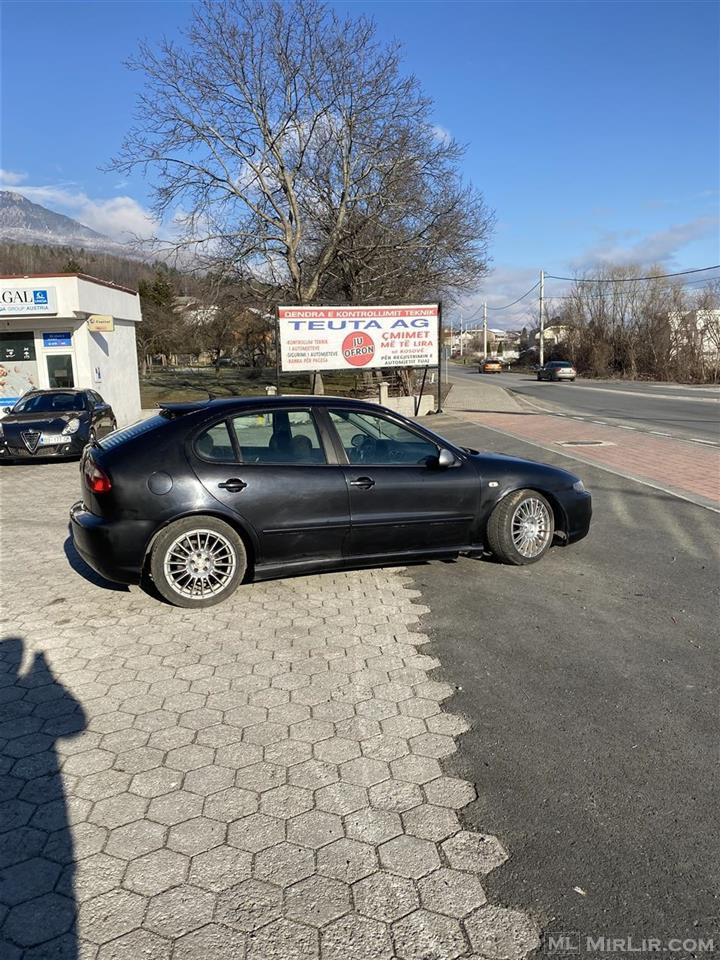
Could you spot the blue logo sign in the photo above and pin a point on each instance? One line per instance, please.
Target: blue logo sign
(40, 297)
(57, 340)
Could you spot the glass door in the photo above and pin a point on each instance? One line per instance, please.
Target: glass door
(60, 370)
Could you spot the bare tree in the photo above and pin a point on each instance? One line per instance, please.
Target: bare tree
(305, 162)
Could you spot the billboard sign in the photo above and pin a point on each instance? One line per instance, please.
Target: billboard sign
(358, 338)
(26, 301)
(100, 323)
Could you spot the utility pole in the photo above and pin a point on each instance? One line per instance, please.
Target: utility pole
(542, 317)
(485, 330)
(461, 333)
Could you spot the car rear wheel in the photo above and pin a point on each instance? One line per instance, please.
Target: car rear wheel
(197, 562)
(521, 527)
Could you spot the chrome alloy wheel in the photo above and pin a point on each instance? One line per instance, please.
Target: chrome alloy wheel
(531, 527)
(200, 564)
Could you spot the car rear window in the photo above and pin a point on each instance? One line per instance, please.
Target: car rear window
(137, 429)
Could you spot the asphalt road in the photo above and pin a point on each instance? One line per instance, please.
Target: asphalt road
(591, 681)
(681, 411)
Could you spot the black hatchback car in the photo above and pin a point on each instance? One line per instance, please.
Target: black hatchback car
(205, 495)
(54, 423)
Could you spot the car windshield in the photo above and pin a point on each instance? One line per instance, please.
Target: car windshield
(50, 403)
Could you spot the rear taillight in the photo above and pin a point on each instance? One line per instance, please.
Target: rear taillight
(96, 478)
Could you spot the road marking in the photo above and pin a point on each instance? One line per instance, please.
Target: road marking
(658, 433)
(650, 396)
(601, 422)
(711, 443)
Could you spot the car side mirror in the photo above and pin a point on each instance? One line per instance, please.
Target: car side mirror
(446, 458)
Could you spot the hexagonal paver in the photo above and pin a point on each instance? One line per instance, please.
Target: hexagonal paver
(409, 856)
(180, 910)
(286, 802)
(172, 808)
(477, 852)
(135, 839)
(433, 745)
(358, 937)
(284, 940)
(314, 829)
(317, 900)
(117, 811)
(39, 919)
(28, 879)
(450, 792)
(452, 892)
(156, 872)
(385, 896)
(190, 757)
(312, 730)
(98, 786)
(502, 934)
(220, 868)
(91, 876)
(447, 723)
(256, 832)
(263, 776)
(207, 780)
(139, 760)
(110, 915)
(137, 943)
(428, 936)
(430, 822)
(288, 752)
(155, 783)
(341, 798)
(211, 942)
(195, 836)
(364, 771)
(284, 864)
(313, 774)
(419, 707)
(373, 826)
(249, 905)
(231, 804)
(416, 769)
(347, 860)
(336, 750)
(395, 795)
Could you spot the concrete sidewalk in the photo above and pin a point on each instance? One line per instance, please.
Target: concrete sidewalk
(481, 397)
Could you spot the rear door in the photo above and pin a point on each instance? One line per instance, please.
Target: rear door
(400, 500)
(276, 471)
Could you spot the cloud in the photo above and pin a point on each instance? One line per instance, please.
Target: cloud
(502, 286)
(121, 218)
(441, 134)
(9, 178)
(661, 247)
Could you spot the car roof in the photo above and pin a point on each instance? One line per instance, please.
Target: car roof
(283, 400)
(35, 393)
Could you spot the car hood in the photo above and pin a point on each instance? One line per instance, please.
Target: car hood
(495, 465)
(52, 422)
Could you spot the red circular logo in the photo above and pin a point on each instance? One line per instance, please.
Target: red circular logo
(358, 348)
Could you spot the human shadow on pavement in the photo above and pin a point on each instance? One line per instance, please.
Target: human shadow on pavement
(37, 862)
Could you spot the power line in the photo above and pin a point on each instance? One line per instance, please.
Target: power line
(604, 296)
(659, 276)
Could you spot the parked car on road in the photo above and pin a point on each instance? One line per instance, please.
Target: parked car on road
(557, 370)
(491, 365)
(54, 423)
(211, 493)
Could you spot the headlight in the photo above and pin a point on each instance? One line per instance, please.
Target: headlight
(72, 426)
(579, 486)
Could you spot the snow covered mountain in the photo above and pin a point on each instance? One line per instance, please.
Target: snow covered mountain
(22, 221)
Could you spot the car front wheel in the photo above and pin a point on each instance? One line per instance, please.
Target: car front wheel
(521, 527)
(197, 562)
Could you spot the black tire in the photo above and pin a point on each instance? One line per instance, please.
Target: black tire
(232, 545)
(500, 528)
(539, 378)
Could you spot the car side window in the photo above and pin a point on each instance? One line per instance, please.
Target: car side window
(215, 443)
(377, 441)
(280, 437)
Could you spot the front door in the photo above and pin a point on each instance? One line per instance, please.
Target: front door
(60, 370)
(275, 472)
(400, 500)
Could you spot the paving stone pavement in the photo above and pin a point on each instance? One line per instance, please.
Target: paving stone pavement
(260, 780)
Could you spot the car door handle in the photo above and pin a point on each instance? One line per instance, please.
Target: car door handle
(234, 485)
(364, 482)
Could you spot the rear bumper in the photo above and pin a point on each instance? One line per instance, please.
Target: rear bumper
(114, 549)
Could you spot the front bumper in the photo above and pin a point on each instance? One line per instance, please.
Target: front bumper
(11, 449)
(577, 508)
(114, 549)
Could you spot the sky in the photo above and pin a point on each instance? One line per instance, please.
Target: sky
(592, 128)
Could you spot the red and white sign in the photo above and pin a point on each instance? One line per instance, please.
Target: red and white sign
(346, 338)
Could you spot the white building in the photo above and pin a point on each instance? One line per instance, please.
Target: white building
(69, 330)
